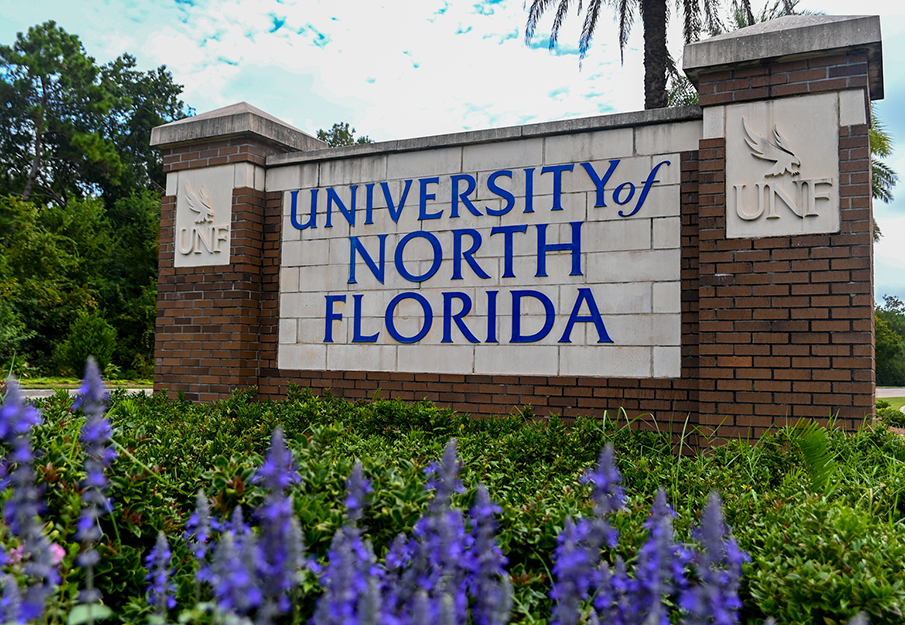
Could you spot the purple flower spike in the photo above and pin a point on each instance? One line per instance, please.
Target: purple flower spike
(281, 551)
(233, 574)
(573, 572)
(608, 495)
(278, 472)
(91, 394)
(357, 489)
(719, 566)
(490, 587)
(198, 527)
(96, 436)
(161, 591)
(10, 599)
(659, 571)
(444, 476)
(23, 508)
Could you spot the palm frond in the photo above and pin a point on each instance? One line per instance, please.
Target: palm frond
(535, 12)
(818, 460)
(587, 29)
(561, 12)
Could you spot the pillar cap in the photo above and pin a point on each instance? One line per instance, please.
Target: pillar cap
(789, 38)
(236, 120)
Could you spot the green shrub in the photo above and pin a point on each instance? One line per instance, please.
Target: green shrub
(89, 335)
(824, 562)
(170, 448)
(889, 415)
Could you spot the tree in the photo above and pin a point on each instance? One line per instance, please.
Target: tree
(69, 127)
(340, 134)
(698, 15)
(890, 342)
(52, 105)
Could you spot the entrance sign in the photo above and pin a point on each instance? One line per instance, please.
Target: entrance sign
(502, 258)
(705, 267)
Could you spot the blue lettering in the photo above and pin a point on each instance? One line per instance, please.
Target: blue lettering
(424, 197)
(456, 196)
(585, 295)
(618, 191)
(358, 337)
(507, 232)
(543, 247)
(293, 211)
(529, 190)
(647, 185)
(557, 171)
(391, 311)
(435, 265)
(599, 182)
(468, 254)
(331, 316)
(356, 246)
(491, 316)
(503, 193)
(517, 336)
(348, 213)
(395, 211)
(449, 317)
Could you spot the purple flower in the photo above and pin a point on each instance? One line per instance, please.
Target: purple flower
(611, 601)
(608, 495)
(718, 563)
(443, 476)
(161, 591)
(233, 570)
(490, 586)
(10, 600)
(278, 472)
(574, 571)
(198, 528)
(660, 569)
(351, 578)
(351, 573)
(357, 489)
(280, 549)
(22, 509)
(95, 436)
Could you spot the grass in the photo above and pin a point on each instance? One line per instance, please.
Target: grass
(59, 382)
(895, 402)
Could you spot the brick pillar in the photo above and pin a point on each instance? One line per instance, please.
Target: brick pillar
(212, 248)
(786, 294)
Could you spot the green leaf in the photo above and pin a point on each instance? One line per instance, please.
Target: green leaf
(87, 612)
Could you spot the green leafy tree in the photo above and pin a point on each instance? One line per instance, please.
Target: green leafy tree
(52, 107)
(69, 127)
(890, 342)
(698, 16)
(340, 134)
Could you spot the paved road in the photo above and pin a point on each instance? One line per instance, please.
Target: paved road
(891, 392)
(35, 393)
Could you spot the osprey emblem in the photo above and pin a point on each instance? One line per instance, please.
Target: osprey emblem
(200, 204)
(776, 151)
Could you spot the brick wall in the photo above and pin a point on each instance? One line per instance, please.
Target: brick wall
(221, 152)
(207, 330)
(787, 78)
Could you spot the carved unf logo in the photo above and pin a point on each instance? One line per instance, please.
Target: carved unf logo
(799, 196)
(203, 236)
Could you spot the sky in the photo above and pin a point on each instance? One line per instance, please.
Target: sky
(410, 68)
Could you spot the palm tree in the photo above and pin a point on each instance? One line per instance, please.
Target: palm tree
(654, 14)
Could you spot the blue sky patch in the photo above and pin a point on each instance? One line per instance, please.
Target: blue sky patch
(277, 22)
(561, 49)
